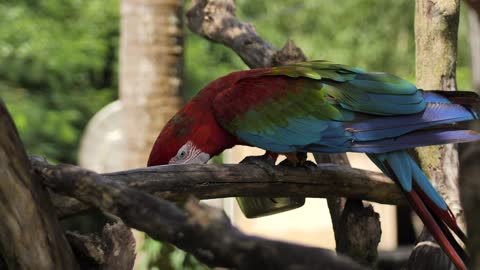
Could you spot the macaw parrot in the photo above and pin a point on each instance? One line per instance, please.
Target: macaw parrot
(323, 107)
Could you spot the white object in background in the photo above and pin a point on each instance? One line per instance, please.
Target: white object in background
(102, 147)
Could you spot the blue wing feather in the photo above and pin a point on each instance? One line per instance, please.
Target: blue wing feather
(406, 171)
(354, 111)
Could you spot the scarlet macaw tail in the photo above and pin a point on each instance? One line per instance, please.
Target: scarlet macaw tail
(425, 200)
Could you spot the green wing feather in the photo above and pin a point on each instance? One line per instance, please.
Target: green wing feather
(357, 90)
(290, 106)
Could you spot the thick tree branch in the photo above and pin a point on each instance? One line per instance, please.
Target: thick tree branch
(356, 226)
(114, 250)
(178, 182)
(204, 232)
(30, 235)
(216, 21)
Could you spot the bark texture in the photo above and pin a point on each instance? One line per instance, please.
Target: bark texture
(151, 59)
(216, 21)
(436, 27)
(113, 250)
(436, 30)
(202, 231)
(356, 226)
(30, 235)
(217, 181)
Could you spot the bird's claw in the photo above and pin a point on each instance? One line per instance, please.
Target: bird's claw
(264, 162)
(307, 164)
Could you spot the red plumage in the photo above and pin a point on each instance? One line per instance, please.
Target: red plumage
(196, 122)
(252, 93)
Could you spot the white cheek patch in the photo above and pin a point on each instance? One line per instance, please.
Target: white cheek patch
(202, 158)
(192, 155)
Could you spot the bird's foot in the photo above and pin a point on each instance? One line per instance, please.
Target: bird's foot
(298, 160)
(266, 161)
(263, 206)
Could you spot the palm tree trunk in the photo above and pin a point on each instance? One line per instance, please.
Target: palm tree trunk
(151, 59)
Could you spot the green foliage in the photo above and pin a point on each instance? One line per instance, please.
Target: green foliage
(369, 34)
(464, 74)
(58, 67)
(161, 256)
(205, 61)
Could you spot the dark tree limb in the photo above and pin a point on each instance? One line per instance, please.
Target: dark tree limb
(120, 247)
(360, 232)
(470, 196)
(474, 4)
(203, 232)
(356, 226)
(113, 250)
(30, 235)
(216, 21)
(178, 182)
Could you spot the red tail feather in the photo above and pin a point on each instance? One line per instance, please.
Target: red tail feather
(440, 214)
(435, 229)
(436, 221)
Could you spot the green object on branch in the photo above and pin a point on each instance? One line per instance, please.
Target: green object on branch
(254, 207)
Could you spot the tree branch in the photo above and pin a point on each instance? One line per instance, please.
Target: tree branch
(114, 250)
(356, 226)
(204, 231)
(178, 182)
(216, 21)
(30, 235)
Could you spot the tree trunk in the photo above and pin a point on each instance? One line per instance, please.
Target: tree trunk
(436, 30)
(356, 227)
(30, 235)
(436, 27)
(151, 58)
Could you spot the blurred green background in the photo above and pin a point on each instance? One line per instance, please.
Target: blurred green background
(59, 61)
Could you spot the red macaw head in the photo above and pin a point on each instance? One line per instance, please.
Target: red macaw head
(178, 143)
(192, 136)
(168, 150)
